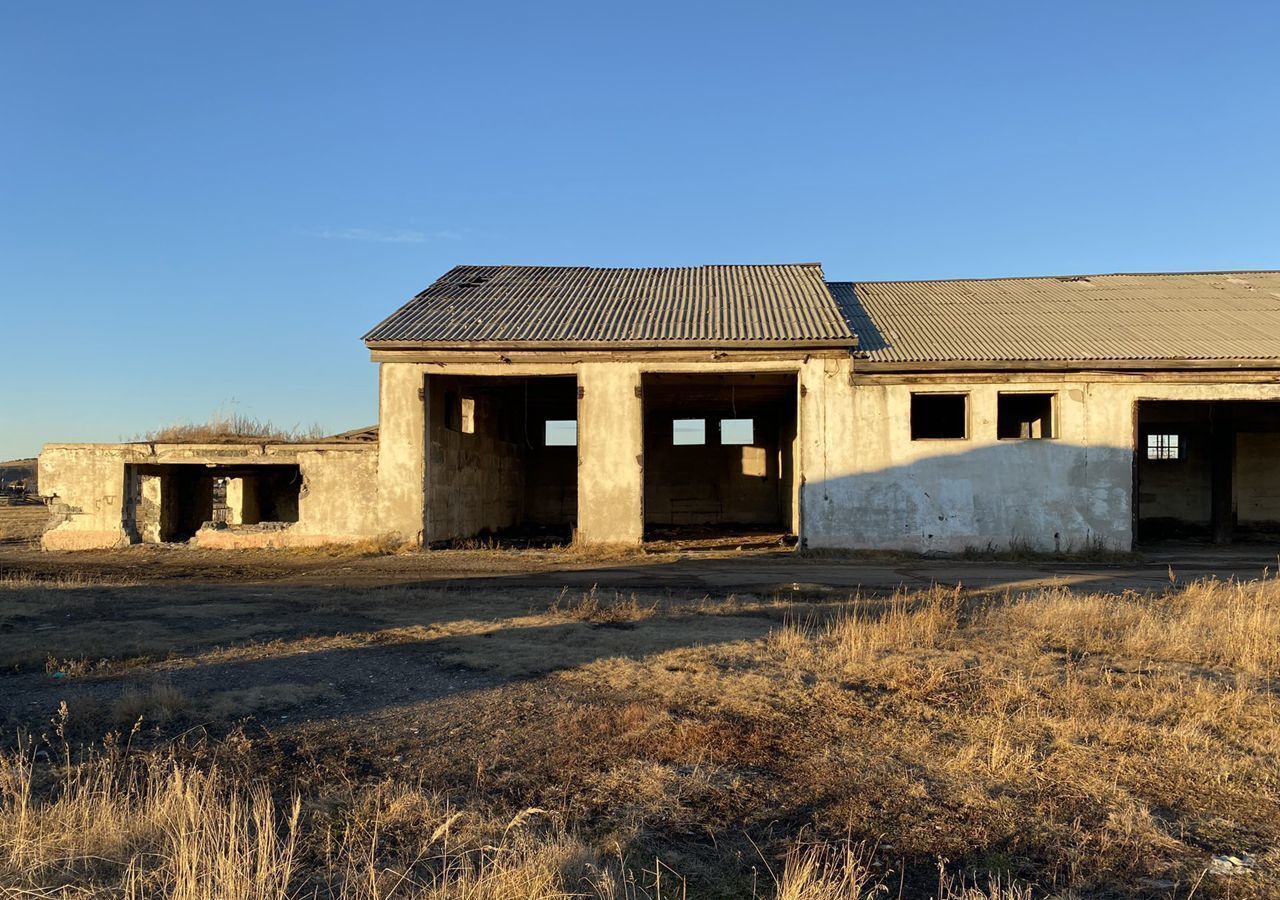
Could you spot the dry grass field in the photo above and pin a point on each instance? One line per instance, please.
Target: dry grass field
(251, 739)
(22, 523)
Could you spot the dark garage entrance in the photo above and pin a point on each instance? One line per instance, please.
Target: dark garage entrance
(502, 458)
(719, 455)
(1207, 470)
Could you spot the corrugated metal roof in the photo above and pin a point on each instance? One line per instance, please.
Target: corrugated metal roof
(713, 305)
(1195, 316)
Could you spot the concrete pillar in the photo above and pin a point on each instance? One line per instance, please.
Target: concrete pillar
(402, 450)
(150, 510)
(235, 501)
(610, 454)
(1223, 442)
(242, 501)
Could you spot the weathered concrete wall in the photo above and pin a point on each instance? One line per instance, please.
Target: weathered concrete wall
(98, 505)
(860, 481)
(475, 481)
(867, 484)
(1257, 481)
(87, 487)
(339, 497)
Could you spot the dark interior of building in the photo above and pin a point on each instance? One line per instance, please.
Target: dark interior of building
(191, 494)
(718, 453)
(1207, 470)
(502, 457)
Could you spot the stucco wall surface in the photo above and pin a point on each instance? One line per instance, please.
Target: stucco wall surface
(90, 492)
(86, 484)
(868, 485)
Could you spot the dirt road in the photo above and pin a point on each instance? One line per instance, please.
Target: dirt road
(749, 570)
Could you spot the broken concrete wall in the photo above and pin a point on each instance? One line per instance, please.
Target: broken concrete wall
(85, 485)
(105, 495)
(150, 523)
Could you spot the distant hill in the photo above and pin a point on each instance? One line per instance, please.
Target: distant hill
(18, 470)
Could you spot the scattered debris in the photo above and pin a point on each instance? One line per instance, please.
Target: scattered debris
(1227, 864)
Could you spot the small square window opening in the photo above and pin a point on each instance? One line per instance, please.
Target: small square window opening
(1164, 446)
(737, 431)
(939, 417)
(562, 433)
(1024, 417)
(687, 432)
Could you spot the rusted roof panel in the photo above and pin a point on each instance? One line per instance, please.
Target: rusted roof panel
(1196, 316)
(748, 305)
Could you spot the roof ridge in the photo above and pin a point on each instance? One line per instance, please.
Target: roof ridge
(1067, 277)
(777, 265)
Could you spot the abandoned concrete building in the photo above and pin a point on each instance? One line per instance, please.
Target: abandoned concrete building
(608, 406)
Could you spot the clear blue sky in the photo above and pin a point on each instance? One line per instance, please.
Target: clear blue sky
(204, 206)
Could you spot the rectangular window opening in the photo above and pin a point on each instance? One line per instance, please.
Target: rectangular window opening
(468, 415)
(939, 417)
(688, 432)
(755, 462)
(561, 433)
(735, 432)
(1024, 417)
(1164, 446)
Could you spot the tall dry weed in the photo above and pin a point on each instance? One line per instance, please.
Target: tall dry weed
(1209, 622)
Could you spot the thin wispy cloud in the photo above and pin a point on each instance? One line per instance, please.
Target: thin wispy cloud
(385, 236)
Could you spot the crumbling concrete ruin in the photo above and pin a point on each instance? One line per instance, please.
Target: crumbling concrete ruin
(610, 406)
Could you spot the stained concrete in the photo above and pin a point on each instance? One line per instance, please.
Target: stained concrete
(868, 485)
(853, 478)
(108, 495)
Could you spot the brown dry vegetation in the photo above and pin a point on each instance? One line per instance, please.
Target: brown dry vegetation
(503, 742)
(223, 426)
(22, 523)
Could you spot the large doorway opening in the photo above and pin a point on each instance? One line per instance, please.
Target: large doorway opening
(719, 456)
(502, 458)
(170, 502)
(1207, 470)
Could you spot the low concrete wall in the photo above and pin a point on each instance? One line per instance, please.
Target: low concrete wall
(93, 496)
